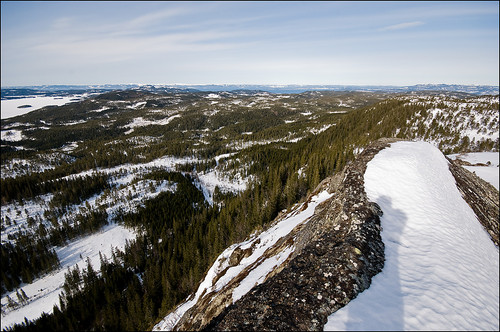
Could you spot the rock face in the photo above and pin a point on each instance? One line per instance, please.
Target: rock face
(335, 256)
(481, 196)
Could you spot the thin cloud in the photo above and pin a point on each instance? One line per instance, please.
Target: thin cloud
(402, 26)
(154, 17)
(271, 41)
(62, 23)
(111, 49)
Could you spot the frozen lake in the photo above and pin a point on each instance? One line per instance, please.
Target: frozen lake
(10, 107)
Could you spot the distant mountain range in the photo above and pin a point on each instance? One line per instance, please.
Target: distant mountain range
(47, 90)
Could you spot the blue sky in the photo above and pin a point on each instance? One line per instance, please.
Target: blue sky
(203, 42)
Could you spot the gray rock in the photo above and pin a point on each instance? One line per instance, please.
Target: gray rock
(336, 256)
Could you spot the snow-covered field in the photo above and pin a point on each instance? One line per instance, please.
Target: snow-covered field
(441, 270)
(44, 292)
(10, 107)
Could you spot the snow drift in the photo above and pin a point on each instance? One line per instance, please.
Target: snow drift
(441, 269)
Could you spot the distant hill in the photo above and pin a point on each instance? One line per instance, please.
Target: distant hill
(49, 90)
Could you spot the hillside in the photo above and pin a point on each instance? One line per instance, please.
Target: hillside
(412, 227)
(181, 175)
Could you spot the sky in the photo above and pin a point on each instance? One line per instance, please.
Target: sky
(262, 42)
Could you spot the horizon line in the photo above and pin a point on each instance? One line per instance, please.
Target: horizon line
(242, 84)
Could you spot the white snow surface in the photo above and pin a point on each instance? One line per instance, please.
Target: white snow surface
(10, 106)
(13, 135)
(442, 269)
(257, 274)
(44, 292)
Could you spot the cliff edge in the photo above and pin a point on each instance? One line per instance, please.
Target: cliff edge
(311, 261)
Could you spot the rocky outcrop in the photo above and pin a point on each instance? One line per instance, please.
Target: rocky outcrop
(336, 256)
(481, 196)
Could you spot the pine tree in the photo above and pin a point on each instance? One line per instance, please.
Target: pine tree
(11, 303)
(21, 296)
(89, 276)
(24, 296)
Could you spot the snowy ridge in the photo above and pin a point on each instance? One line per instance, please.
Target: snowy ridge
(441, 270)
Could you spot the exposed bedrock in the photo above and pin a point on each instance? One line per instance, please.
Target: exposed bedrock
(336, 256)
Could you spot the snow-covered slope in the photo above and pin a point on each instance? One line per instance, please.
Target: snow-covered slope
(441, 270)
(44, 292)
(258, 257)
(465, 124)
(441, 267)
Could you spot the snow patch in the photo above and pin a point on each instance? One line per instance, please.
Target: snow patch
(140, 122)
(102, 109)
(12, 135)
(140, 104)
